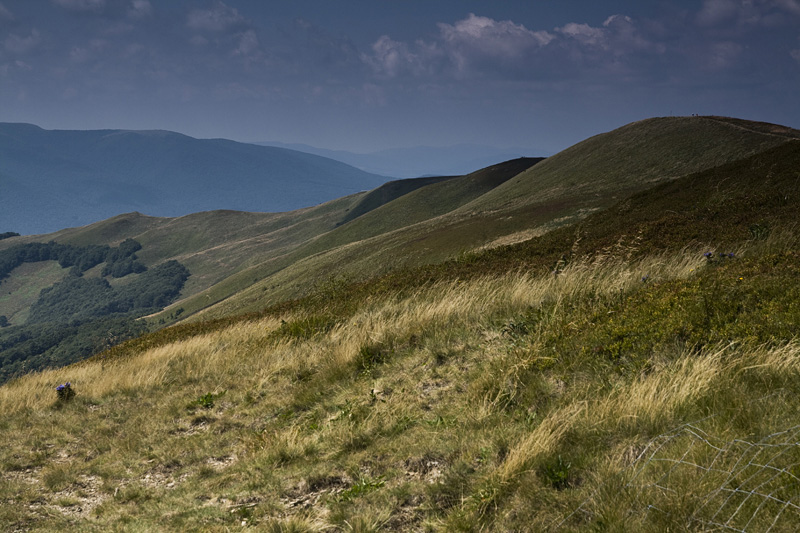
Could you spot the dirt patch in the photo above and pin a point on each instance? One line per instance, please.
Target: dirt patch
(308, 493)
(427, 468)
(79, 500)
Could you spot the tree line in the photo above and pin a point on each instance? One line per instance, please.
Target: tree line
(79, 316)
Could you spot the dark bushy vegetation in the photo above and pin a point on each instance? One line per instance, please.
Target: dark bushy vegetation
(120, 261)
(8, 235)
(77, 298)
(34, 347)
(80, 316)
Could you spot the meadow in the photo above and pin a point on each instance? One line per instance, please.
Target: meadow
(615, 393)
(625, 358)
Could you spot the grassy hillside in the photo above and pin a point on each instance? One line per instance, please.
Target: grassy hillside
(502, 403)
(243, 262)
(213, 245)
(637, 371)
(609, 167)
(388, 192)
(227, 251)
(249, 260)
(19, 294)
(440, 199)
(616, 163)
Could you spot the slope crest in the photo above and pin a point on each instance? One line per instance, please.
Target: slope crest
(619, 162)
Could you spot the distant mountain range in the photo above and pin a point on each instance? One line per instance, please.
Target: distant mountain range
(50, 180)
(418, 161)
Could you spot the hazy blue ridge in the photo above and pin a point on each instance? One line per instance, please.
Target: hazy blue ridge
(50, 180)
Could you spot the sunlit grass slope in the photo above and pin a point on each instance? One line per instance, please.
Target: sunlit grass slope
(17, 295)
(636, 372)
(616, 163)
(563, 189)
(744, 199)
(650, 394)
(389, 191)
(391, 207)
(227, 251)
(441, 198)
(245, 261)
(213, 245)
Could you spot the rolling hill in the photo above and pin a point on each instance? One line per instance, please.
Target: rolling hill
(243, 262)
(50, 180)
(560, 190)
(631, 364)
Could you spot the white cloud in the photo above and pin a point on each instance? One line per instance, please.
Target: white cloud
(795, 55)
(483, 47)
(584, 33)
(504, 35)
(20, 45)
(492, 37)
(140, 9)
(392, 58)
(248, 43)
(220, 18)
(466, 48)
(81, 5)
(619, 35)
(747, 13)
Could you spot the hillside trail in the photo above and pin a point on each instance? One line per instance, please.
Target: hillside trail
(784, 132)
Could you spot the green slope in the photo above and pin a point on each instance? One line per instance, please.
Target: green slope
(421, 204)
(480, 394)
(250, 260)
(754, 200)
(562, 189)
(213, 245)
(425, 201)
(20, 292)
(612, 165)
(388, 192)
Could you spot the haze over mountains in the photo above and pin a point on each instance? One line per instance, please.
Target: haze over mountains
(418, 161)
(51, 180)
(245, 260)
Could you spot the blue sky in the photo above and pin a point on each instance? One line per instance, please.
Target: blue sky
(368, 75)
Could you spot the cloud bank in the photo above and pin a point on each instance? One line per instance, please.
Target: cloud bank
(203, 56)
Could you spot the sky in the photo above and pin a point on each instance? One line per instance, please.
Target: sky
(370, 75)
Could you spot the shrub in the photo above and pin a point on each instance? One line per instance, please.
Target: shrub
(65, 392)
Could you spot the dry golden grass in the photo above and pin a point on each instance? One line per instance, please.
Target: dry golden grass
(424, 410)
(455, 304)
